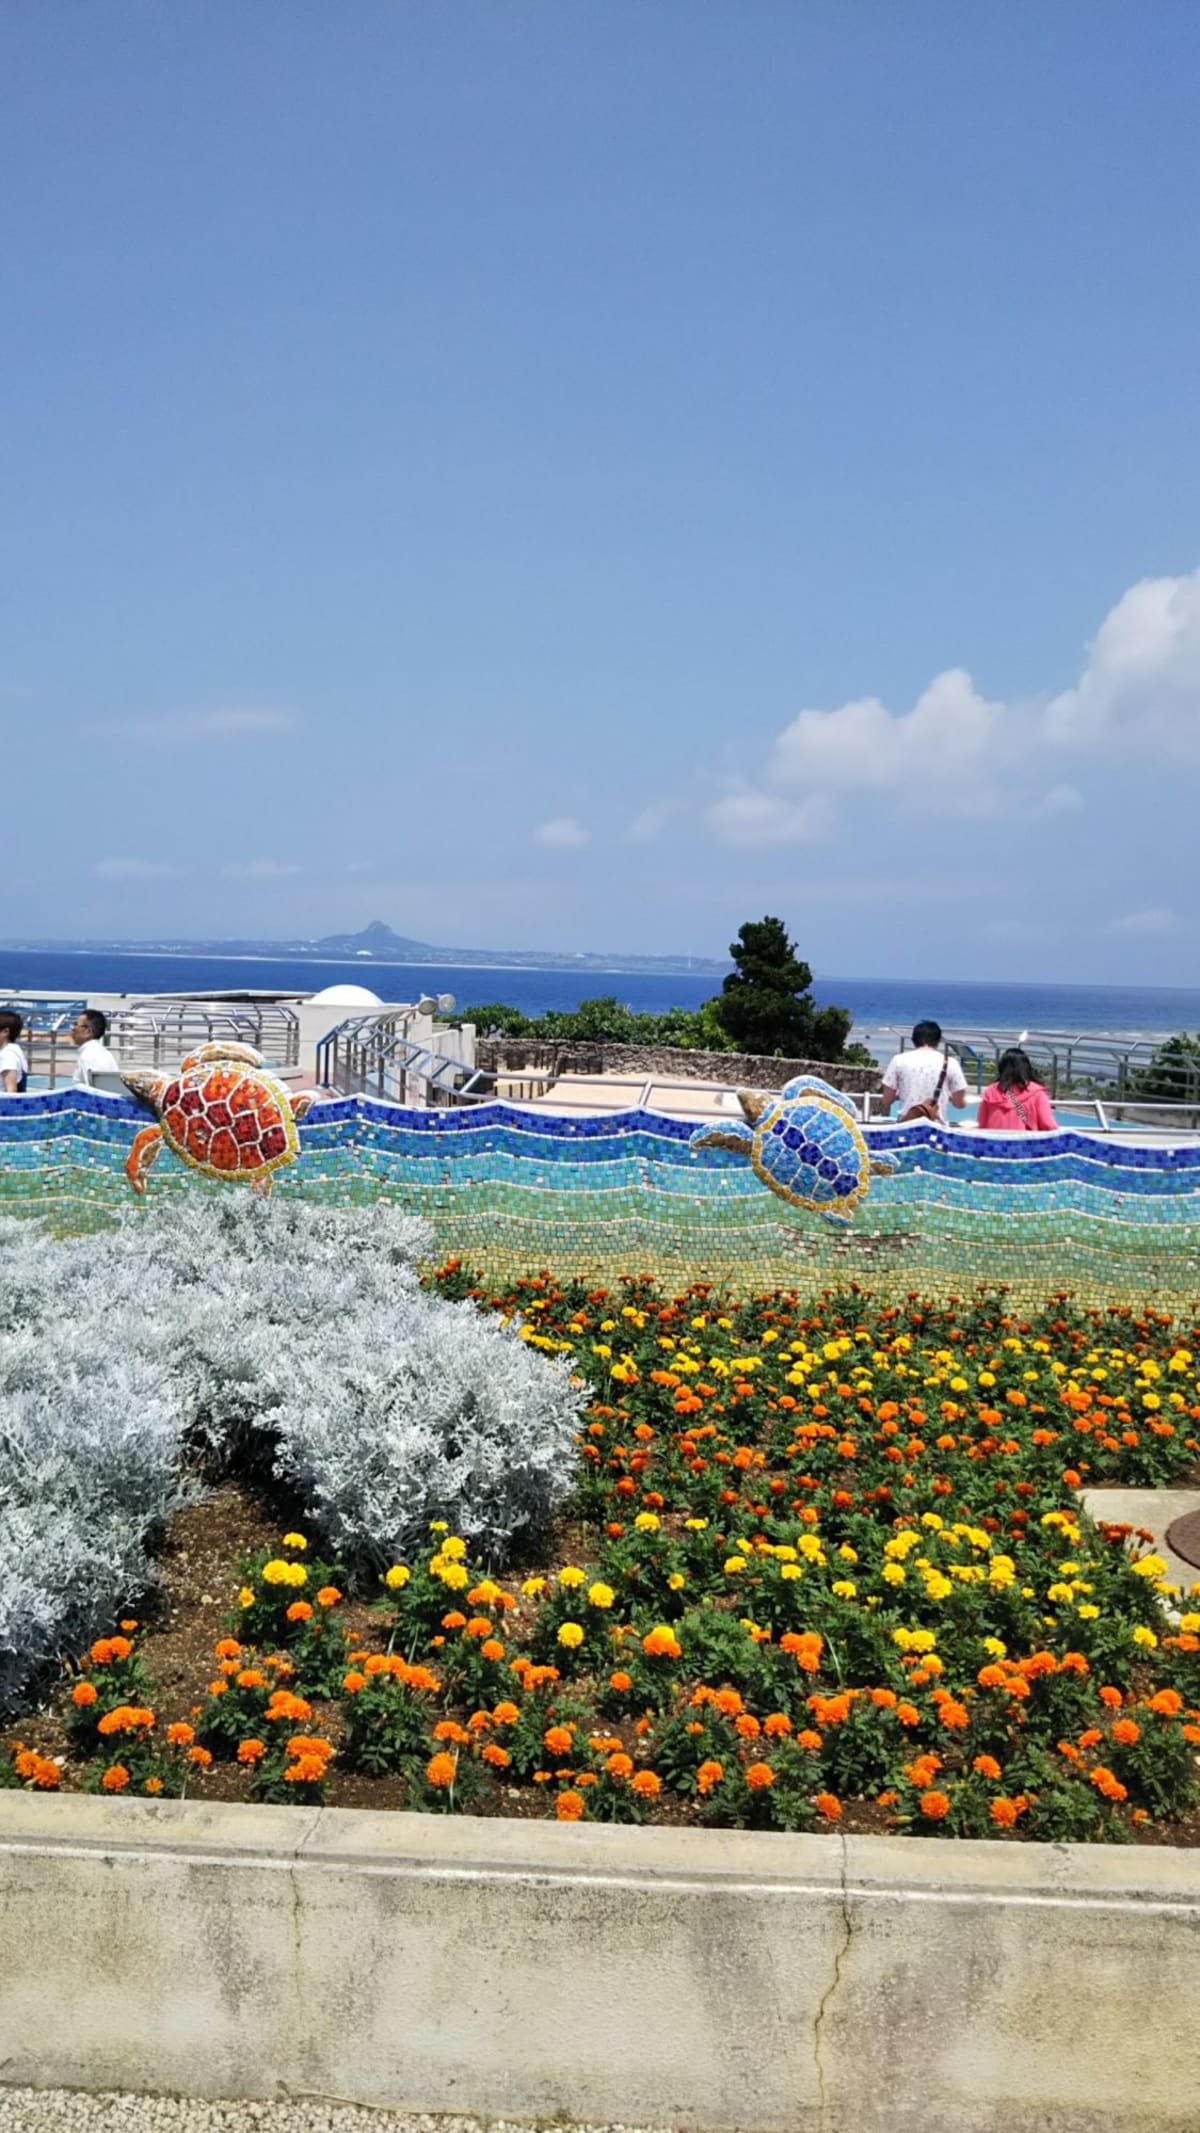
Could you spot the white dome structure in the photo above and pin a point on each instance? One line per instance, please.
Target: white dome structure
(345, 996)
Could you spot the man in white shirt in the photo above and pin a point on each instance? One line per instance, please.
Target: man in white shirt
(88, 1033)
(926, 1079)
(14, 1067)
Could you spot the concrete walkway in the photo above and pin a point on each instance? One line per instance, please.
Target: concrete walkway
(1154, 1510)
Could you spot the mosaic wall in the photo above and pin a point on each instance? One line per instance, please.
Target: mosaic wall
(510, 1190)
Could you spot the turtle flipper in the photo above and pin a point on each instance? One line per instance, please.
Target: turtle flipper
(736, 1137)
(841, 1223)
(245, 1054)
(145, 1147)
(883, 1166)
(302, 1102)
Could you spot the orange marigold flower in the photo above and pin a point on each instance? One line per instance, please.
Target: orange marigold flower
(328, 1596)
(708, 1775)
(829, 1805)
(200, 1757)
(227, 1648)
(440, 1770)
(498, 1757)
(647, 1784)
(1126, 1731)
(1003, 1812)
(115, 1778)
(747, 1726)
(620, 1681)
(251, 1678)
(251, 1751)
(559, 1740)
(506, 1714)
(935, 1806)
(449, 1729)
(986, 1766)
(153, 1785)
(884, 1699)
(953, 1715)
(569, 1807)
(775, 1724)
(491, 1648)
(299, 1611)
(619, 1765)
(759, 1776)
(662, 1643)
(1112, 1697)
(353, 1682)
(809, 1739)
(1167, 1702)
(727, 1701)
(180, 1734)
(83, 1694)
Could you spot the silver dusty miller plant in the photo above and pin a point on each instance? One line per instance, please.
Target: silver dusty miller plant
(222, 1331)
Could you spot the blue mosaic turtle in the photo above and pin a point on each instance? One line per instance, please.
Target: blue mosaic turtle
(806, 1144)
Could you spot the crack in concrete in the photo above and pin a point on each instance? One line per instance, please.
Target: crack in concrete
(839, 1960)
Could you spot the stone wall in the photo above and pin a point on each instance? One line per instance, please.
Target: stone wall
(660, 1062)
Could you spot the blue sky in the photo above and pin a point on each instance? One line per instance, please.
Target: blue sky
(583, 475)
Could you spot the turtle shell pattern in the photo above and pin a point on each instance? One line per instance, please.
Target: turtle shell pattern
(228, 1120)
(812, 1153)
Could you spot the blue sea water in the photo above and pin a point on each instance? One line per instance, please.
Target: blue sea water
(876, 1003)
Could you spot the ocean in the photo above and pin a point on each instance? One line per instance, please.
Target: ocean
(876, 1003)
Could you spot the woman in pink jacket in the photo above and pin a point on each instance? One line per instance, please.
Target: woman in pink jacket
(1015, 1102)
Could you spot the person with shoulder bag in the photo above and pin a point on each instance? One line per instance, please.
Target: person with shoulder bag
(1015, 1102)
(924, 1079)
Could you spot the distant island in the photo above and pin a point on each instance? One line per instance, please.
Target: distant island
(378, 943)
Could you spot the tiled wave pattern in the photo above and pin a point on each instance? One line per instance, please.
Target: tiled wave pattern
(511, 1189)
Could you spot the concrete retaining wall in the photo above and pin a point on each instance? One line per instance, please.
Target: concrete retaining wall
(680, 1978)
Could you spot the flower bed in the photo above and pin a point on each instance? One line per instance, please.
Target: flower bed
(824, 1567)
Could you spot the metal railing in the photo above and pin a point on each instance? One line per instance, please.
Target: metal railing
(377, 1055)
(1086, 1063)
(158, 1033)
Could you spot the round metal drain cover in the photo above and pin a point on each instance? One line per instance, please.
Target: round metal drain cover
(1184, 1538)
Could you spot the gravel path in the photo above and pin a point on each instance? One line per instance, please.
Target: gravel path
(77, 2111)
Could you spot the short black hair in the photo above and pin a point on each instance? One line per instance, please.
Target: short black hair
(96, 1021)
(927, 1033)
(10, 1024)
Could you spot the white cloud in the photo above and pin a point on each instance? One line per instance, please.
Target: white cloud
(132, 869)
(653, 819)
(1140, 686)
(223, 722)
(562, 832)
(942, 745)
(956, 753)
(1060, 800)
(258, 869)
(764, 818)
(1158, 919)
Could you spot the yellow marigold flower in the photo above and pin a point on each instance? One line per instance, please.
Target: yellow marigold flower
(294, 1540)
(571, 1576)
(735, 1562)
(533, 1588)
(648, 1521)
(1145, 1637)
(845, 1588)
(995, 1648)
(452, 1575)
(676, 1581)
(600, 1595)
(1087, 1613)
(277, 1572)
(1150, 1566)
(397, 1577)
(696, 1525)
(894, 1573)
(245, 1597)
(790, 1570)
(571, 1635)
(453, 1549)
(438, 1525)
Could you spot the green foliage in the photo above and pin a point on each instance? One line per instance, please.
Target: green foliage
(765, 1007)
(766, 1004)
(1173, 1075)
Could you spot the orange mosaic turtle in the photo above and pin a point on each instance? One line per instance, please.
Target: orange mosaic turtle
(222, 1113)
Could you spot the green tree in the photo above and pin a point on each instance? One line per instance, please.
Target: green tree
(766, 1003)
(1173, 1075)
